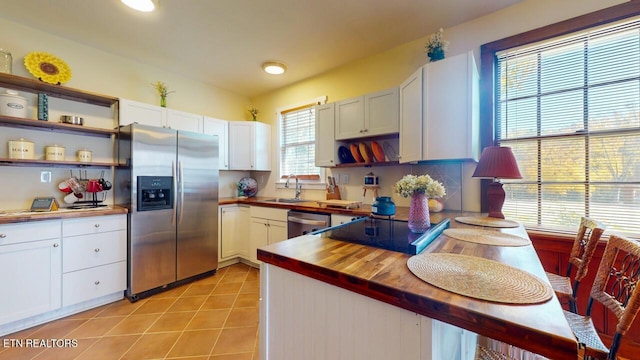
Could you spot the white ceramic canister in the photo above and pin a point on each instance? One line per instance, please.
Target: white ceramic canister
(20, 149)
(12, 104)
(84, 155)
(54, 152)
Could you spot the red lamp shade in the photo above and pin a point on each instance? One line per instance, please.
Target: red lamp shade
(498, 163)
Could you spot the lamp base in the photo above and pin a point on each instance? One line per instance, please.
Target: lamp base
(495, 199)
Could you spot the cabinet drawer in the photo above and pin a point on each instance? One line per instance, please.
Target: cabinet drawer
(93, 225)
(269, 213)
(85, 251)
(83, 285)
(31, 231)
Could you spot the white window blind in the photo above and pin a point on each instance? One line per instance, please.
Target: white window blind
(297, 143)
(569, 109)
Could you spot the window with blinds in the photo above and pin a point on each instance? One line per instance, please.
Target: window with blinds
(569, 109)
(297, 143)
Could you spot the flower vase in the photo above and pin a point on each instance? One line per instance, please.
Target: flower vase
(163, 101)
(419, 221)
(436, 54)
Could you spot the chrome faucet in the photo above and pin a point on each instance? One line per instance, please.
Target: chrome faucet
(298, 186)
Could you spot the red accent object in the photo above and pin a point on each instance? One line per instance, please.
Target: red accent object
(497, 162)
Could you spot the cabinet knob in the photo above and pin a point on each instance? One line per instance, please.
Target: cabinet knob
(97, 282)
(96, 249)
(365, 130)
(56, 245)
(2, 236)
(97, 225)
(361, 131)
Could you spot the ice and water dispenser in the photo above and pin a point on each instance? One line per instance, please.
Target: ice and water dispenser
(155, 193)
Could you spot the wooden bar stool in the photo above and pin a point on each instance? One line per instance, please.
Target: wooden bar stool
(615, 287)
(584, 245)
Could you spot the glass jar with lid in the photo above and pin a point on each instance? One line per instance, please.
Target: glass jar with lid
(5, 61)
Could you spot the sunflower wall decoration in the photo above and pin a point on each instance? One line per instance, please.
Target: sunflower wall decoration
(48, 68)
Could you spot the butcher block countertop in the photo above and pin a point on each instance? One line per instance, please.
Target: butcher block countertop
(384, 275)
(8, 217)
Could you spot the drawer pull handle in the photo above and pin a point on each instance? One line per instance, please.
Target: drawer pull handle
(97, 282)
(2, 236)
(97, 225)
(56, 245)
(96, 249)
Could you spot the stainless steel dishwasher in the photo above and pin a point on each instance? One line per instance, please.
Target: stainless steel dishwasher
(301, 223)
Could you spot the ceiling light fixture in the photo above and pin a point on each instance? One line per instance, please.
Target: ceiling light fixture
(140, 5)
(274, 68)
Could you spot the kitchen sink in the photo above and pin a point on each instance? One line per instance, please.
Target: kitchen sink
(285, 200)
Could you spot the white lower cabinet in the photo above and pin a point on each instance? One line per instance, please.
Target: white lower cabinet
(268, 226)
(94, 258)
(30, 261)
(303, 318)
(234, 232)
(337, 219)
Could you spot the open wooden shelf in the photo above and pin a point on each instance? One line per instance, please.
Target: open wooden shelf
(55, 126)
(369, 164)
(14, 82)
(52, 163)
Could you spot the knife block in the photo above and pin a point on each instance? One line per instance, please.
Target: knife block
(335, 195)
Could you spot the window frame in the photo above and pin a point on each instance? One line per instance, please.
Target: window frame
(488, 63)
(282, 178)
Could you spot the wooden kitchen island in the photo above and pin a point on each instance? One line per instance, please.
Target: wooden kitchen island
(328, 299)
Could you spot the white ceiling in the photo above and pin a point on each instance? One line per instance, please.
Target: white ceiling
(224, 42)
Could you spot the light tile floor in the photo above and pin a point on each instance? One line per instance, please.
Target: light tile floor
(215, 318)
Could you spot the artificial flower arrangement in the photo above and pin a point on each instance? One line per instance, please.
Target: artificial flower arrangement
(253, 111)
(436, 46)
(162, 91)
(412, 184)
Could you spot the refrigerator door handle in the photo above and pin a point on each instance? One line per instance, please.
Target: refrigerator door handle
(175, 193)
(181, 174)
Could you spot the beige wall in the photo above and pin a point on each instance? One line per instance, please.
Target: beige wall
(390, 68)
(103, 73)
(97, 71)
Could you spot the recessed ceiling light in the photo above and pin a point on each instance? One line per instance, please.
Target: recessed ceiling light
(274, 68)
(140, 5)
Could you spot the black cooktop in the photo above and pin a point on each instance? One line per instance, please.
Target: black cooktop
(386, 234)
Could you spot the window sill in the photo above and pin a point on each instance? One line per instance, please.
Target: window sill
(305, 185)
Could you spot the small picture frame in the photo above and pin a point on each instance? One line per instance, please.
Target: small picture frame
(43, 204)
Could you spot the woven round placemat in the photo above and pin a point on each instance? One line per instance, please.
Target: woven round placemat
(487, 237)
(479, 278)
(487, 221)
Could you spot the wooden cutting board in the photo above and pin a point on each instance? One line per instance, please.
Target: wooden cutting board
(347, 204)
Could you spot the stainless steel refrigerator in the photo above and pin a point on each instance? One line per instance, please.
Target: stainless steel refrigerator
(168, 180)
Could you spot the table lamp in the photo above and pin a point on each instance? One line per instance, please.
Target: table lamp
(497, 162)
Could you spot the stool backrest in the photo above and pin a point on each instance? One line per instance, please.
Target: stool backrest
(589, 233)
(616, 284)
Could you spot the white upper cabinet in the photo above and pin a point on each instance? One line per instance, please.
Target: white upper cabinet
(369, 115)
(325, 142)
(249, 145)
(180, 120)
(381, 112)
(146, 114)
(211, 126)
(411, 118)
(451, 107)
(141, 113)
(349, 118)
(439, 111)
